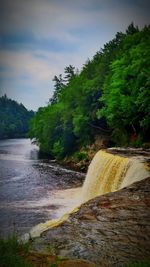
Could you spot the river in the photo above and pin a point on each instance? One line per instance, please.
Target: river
(32, 190)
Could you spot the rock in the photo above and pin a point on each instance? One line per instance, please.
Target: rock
(76, 263)
(39, 259)
(109, 230)
(129, 151)
(47, 260)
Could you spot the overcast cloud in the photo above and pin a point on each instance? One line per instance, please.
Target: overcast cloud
(39, 38)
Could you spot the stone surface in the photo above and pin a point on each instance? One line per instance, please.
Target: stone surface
(76, 263)
(47, 260)
(110, 230)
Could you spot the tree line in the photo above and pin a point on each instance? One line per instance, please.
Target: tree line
(14, 119)
(109, 96)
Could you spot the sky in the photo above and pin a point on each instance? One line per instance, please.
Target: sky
(39, 38)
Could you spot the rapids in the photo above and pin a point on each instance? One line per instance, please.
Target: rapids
(32, 190)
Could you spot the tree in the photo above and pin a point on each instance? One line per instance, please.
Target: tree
(70, 73)
(109, 96)
(58, 87)
(132, 29)
(125, 90)
(14, 118)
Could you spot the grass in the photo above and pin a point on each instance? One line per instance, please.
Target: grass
(16, 254)
(11, 253)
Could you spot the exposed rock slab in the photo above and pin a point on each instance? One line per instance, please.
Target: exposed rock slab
(47, 260)
(129, 151)
(109, 230)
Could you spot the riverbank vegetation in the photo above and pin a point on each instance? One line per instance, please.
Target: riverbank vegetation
(108, 97)
(12, 253)
(15, 118)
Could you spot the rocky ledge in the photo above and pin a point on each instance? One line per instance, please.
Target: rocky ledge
(110, 230)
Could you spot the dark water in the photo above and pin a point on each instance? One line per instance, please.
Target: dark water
(31, 190)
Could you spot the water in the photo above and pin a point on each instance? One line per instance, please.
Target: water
(32, 190)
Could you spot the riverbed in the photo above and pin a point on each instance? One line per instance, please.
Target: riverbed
(32, 190)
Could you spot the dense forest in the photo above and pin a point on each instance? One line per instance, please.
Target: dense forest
(14, 118)
(109, 96)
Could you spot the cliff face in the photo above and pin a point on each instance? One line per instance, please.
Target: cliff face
(109, 230)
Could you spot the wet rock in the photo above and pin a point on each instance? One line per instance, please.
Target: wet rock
(110, 230)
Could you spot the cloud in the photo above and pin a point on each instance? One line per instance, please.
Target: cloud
(27, 77)
(55, 19)
(39, 38)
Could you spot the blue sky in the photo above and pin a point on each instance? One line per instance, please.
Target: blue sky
(39, 38)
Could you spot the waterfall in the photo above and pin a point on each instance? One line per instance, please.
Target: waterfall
(137, 171)
(104, 175)
(107, 173)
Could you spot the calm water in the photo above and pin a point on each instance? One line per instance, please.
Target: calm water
(32, 190)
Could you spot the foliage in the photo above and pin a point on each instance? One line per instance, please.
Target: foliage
(14, 118)
(58, 86)
(81, 155)
(139, 264)
(10, 253)
(109, 95)
(126, 95)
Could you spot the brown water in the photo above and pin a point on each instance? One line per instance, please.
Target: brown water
(32, 190)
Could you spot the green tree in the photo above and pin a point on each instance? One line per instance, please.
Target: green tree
(110, 95)
(14, 118)
(125, 90)
(58, 87)
(70, 73)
